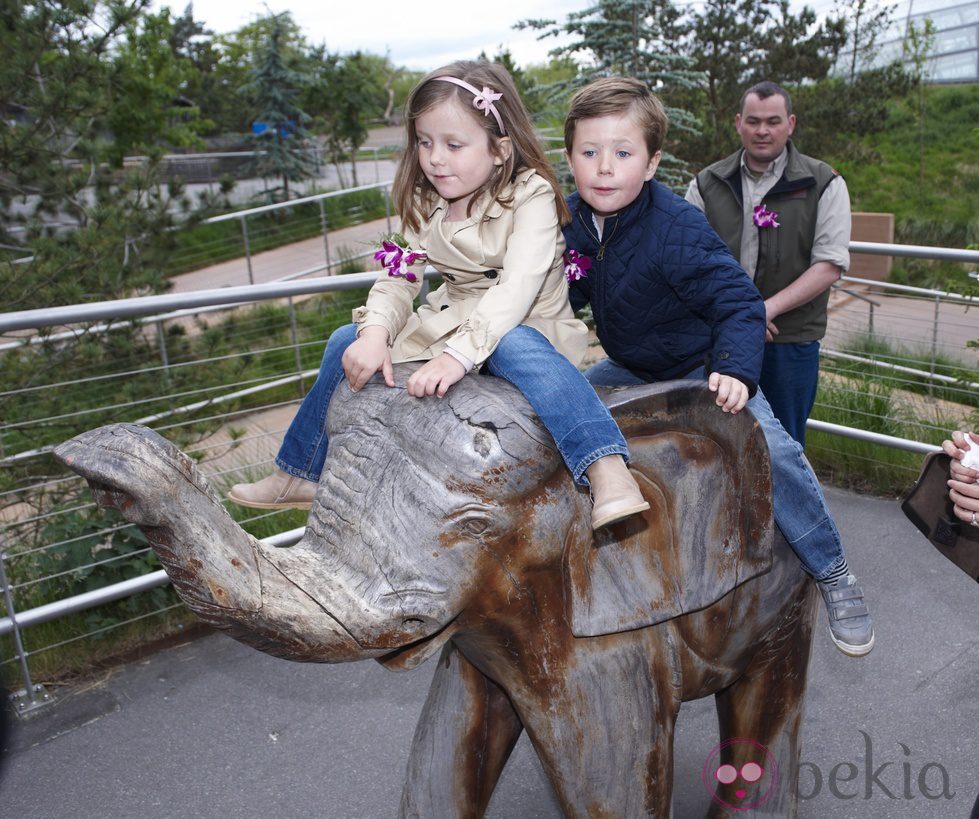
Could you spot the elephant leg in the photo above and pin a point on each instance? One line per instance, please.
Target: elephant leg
(605, 734)
(464, 737)
(760, 718)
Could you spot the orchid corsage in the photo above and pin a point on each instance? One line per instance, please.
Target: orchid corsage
(764, 218)
(576, 266)
(396, 257)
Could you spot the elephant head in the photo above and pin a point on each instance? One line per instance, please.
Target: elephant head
(432, 514)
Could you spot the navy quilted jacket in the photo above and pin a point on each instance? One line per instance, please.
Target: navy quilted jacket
(666, 293)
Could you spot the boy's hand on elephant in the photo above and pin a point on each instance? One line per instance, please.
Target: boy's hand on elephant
(732, 394)
(435, 377)
(366, 356)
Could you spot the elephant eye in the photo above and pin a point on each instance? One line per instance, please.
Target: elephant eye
(475, 526)
(472, 519)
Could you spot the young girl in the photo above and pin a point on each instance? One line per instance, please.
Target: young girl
(480, 203)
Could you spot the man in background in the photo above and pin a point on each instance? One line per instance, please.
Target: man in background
(786, 217)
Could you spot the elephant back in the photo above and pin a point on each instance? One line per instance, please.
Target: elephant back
(707, 477)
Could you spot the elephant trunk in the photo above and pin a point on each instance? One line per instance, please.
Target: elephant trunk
(222, 573)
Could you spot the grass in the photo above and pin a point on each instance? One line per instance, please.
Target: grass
(880, 349)
(935, 202)
(864, 402)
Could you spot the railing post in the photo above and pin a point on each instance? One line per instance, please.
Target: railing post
(294, 332)
(387, 208)
(248, 251)
(324, 225)
(32, 696)
(164, 357)
(934, 339)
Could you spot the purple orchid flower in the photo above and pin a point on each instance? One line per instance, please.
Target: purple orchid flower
(576, 266)
(396, 260)
(764, 218)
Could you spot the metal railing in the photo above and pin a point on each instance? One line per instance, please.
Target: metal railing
(224, 405)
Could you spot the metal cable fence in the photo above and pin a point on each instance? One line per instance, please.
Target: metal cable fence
(220, 371)
(896, 361)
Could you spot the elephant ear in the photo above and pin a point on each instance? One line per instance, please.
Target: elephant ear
(707, 477)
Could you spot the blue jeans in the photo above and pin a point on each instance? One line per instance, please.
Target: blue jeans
(565, 402)
(798, 504)
(789, 376)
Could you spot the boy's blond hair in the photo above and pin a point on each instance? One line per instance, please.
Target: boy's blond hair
(619, 95)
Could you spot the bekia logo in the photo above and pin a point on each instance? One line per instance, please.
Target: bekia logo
(741, 774)
(745, 784)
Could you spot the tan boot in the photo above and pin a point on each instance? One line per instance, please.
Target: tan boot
(615, 493)
(278, 491)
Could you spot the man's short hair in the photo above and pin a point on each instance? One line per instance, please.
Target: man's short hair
(619, 95)
(764, 90)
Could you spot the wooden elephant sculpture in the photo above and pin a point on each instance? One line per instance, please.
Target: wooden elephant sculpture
(452, 524)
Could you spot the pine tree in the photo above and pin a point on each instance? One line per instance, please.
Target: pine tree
(82, 86)
(282, 146)
(628, 38)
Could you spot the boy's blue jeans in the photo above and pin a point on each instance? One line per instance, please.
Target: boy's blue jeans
(565, 402)
(799, 506)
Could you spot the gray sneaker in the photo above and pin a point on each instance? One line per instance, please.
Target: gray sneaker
(850, 625)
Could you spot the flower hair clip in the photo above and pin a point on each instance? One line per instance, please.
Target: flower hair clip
(576, 266)
(764, 218)
(397, 259)
(482, 100)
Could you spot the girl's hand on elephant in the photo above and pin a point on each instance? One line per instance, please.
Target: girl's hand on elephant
(435, 377)
(732, 394)
(366, 356)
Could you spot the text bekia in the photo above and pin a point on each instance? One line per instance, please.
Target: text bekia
(902, 778)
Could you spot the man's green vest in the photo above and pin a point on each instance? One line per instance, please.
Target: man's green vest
(784, 252)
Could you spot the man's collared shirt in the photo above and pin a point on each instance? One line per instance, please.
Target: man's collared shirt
(832, 237)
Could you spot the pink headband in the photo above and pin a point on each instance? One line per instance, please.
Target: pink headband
(482, 100)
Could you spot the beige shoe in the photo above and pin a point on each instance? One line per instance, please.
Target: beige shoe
(615, 492)
(278, 491)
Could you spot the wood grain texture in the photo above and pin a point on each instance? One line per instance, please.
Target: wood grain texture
(452, 526)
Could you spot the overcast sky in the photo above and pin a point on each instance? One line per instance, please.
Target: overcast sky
(421, 35)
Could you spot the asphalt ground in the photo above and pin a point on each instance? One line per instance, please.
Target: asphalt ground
(210, 727)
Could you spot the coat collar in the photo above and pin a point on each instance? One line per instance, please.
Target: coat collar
(583, 217)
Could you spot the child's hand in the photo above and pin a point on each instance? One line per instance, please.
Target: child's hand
(366, 356)
(732, 394)
(435, 377)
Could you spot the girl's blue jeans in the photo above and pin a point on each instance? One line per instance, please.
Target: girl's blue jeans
(799, 506)
(563, 399)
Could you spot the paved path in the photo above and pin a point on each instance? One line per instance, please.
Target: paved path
(287, 260)
(907, 323)
(212, 728)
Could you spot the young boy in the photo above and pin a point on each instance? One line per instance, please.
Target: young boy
(669, 301)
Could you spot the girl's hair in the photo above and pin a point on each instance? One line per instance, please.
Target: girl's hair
(412, 190)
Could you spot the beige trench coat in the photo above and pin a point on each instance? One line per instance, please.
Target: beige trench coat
(502, 267)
